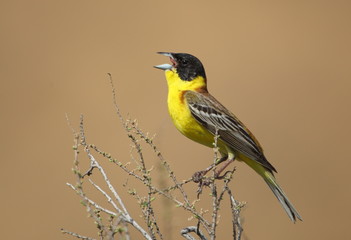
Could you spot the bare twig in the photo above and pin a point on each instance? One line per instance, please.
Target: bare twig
(236, 208)
(97, 206)
(76, 235)
(215, 202)
(79, 183)
(123, 209)
(192, 229)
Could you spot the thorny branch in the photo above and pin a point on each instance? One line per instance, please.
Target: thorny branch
(115, 222)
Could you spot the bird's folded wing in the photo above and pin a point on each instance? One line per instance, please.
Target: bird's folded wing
(215, 117)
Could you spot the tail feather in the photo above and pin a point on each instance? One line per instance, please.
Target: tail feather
(283, 199)
(268, 176)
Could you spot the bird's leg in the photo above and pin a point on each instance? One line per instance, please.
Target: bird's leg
(230, 159)
(197, 177)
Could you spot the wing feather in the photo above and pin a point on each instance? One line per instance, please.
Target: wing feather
(215, 117)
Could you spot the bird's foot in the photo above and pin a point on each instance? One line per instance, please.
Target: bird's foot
(199, 178)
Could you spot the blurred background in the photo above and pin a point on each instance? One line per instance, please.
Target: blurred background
(283, 67)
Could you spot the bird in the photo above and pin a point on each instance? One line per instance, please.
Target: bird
(200, 117)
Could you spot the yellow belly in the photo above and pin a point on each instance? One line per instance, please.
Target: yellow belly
(188, 126)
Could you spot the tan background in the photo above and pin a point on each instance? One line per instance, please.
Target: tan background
(283, 67)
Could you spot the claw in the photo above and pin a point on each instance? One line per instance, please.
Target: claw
(198, 176)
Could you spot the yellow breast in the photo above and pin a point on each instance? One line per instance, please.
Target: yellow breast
(179, 110)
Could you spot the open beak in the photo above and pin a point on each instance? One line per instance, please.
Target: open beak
(167, 66)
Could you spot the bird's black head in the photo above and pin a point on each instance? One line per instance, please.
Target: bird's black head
(188, 66)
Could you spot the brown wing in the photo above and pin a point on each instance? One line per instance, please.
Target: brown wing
(214, 116)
